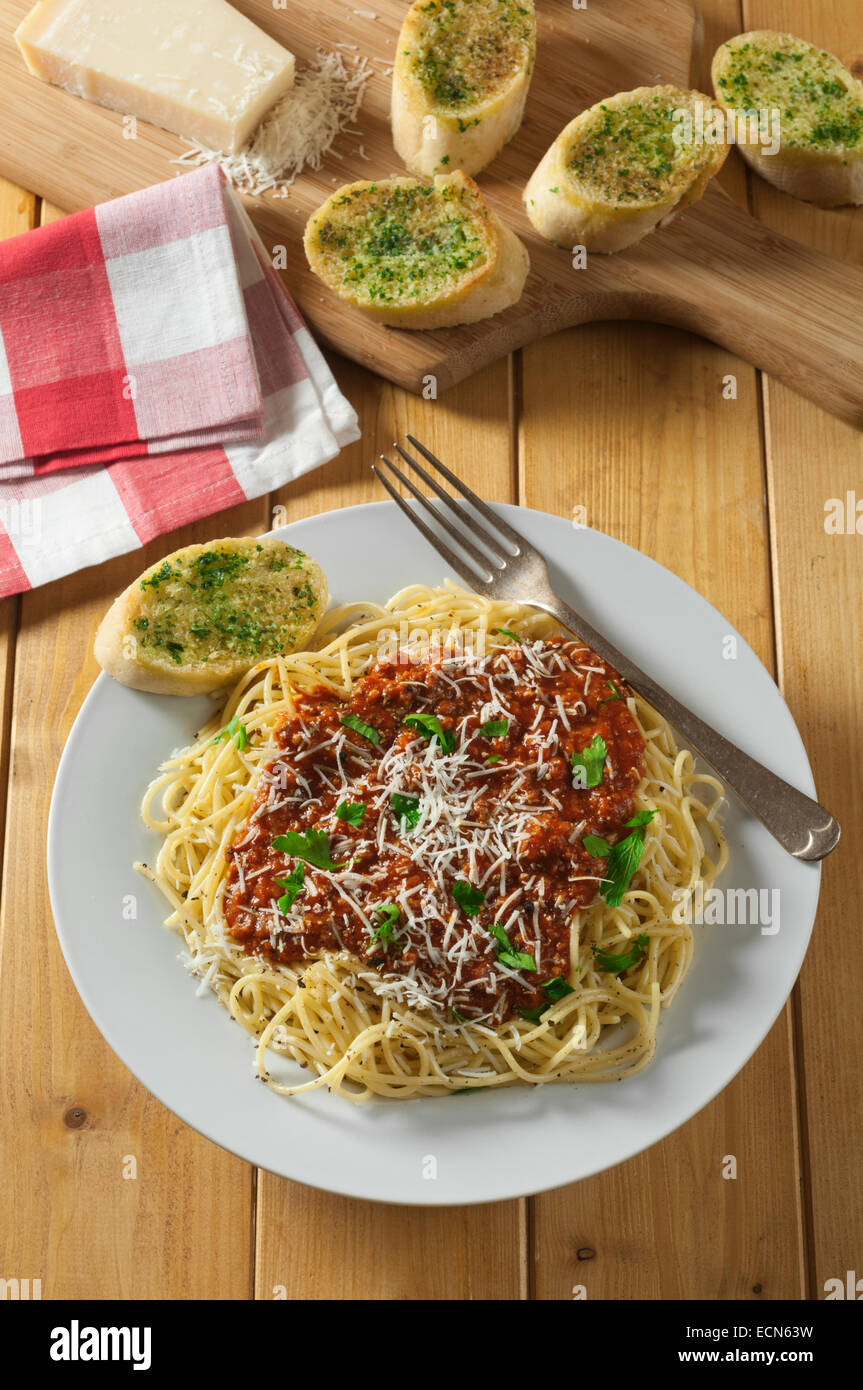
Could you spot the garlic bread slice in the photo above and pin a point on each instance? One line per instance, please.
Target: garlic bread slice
(797, 115)
(197, 620)
(460, 80)
(413, 254)
(625, 166)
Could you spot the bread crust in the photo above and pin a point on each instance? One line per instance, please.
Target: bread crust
(119, 654)
(571, 214)
(428, 137)
(478, 294)
(828, 176)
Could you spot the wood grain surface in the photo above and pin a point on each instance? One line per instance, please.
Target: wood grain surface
(784, 306)
(675, 446)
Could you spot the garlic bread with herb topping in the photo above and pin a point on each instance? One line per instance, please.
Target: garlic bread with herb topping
(197, 620)
(417, 255)
(817, 152)
(625, 166)
(460, 80)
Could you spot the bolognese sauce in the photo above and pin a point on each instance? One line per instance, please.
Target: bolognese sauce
(433, 824)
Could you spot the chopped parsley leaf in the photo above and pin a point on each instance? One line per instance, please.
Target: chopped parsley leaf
(615, 964)
(554, 989)
(292, 885)
(389, 914)
(406, 808)
(430, 726)
(234, 730)
(587, 766)
(494, 728)
(534, 1015)
(616, 696)
(351, 812)
(353, 721)
(624, 859)
(515, 960)
(158, 576)
(313, 847)
(595, 845)
(469, 899)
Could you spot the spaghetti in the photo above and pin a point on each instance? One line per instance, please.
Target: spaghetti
(481, 928)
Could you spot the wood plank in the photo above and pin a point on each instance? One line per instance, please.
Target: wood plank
(75, 1116)
(662, 461)
(316, 1246)
(819, 577)
(713, 271)
(17, 210)
(364, 1250)
(17, 214)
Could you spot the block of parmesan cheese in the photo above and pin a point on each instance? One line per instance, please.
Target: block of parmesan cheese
(196, 67)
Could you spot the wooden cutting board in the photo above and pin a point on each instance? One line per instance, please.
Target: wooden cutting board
(787, 309)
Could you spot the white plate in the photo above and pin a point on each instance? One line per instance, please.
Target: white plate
(456, 1149)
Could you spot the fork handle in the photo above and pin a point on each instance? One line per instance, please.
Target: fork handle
(801, 825)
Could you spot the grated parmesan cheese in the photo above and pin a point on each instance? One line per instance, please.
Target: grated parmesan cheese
(299, 131)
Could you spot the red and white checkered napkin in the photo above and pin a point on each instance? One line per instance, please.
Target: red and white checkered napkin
(153, 370)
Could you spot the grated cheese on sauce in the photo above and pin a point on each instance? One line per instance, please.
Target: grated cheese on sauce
(500, 821)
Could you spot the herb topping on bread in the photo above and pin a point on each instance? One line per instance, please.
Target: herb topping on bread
(461, 76)
(416, 254)
(202, 616)
(808, 101)
(625, 166)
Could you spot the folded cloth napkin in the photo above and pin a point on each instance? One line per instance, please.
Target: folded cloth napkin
(153, 370)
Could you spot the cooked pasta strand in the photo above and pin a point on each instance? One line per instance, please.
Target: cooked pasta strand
(325, 1013)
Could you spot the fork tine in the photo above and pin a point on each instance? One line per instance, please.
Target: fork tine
(485, 566)
(456, 564)
(457, 508)
(483, 508)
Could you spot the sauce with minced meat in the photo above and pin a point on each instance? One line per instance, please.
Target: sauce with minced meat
(518, 832)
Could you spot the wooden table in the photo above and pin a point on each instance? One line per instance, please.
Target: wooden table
(675, 447)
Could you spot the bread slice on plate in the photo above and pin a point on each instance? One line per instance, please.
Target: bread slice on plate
(197, 620)
(625, 166)
(460, 79)
(413, 254)
(797, 115)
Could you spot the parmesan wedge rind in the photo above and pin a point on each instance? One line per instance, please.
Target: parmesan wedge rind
(460, 80)
(197, 620)
(818, 105)
(417, 255)
(625, 166)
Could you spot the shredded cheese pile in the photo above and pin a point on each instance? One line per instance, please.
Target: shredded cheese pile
(299, 131)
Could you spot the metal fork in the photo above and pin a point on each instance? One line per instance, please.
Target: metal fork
(518, 571)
